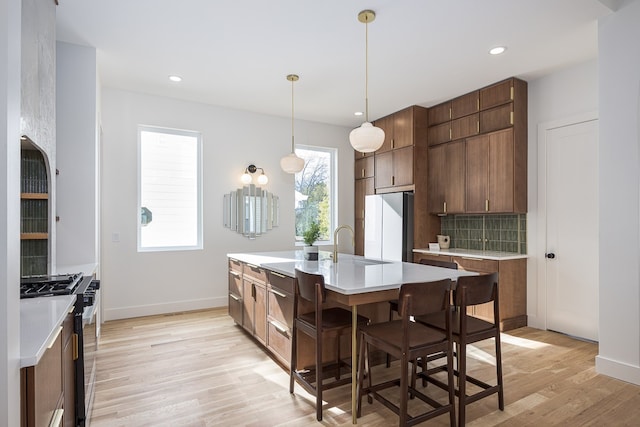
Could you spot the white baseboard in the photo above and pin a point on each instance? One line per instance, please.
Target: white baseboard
(164, 308)
(617, 369)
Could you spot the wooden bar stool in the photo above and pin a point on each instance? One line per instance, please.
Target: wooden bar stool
(408, 340)
(393, 304)
(466, 329)
(320, 324)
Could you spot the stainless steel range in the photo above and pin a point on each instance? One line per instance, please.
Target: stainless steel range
(85, 320)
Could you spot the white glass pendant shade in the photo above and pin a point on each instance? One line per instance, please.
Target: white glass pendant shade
(262, 179)
(367, 138)
(291, 163)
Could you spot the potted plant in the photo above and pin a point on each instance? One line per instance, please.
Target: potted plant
(310, 236)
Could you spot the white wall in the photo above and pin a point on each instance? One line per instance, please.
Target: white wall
(10, 23)
(619, 86)
(567, 93)
(156, 282)
(77, 152)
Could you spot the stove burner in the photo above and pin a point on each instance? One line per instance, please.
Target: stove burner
(37, 286)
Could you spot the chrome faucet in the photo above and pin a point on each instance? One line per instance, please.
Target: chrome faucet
(335, 240)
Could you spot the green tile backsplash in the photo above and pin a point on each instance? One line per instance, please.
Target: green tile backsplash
(505, 233)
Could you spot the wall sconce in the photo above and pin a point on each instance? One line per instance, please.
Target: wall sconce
(251, 169)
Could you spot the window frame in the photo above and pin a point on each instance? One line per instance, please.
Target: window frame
(333, 187)
(199, 191)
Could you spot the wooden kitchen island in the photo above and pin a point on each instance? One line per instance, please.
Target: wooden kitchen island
(261, 289)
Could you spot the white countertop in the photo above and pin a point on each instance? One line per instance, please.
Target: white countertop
(471, 253)
(352, 274)
(40, 319)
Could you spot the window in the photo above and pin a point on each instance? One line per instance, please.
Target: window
(315, 191)
(169, 189)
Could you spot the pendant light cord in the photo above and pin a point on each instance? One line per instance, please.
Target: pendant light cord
(366, 70)
(292, 143)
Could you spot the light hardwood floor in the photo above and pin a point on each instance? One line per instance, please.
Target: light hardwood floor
(200, 369)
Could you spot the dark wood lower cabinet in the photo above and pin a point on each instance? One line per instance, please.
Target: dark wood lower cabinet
(42, 388)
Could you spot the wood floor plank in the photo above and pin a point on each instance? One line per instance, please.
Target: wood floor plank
(199, 369)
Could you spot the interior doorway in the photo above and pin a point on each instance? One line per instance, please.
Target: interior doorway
(568, 184)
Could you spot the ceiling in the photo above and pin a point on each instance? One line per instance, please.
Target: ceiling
(237, 53)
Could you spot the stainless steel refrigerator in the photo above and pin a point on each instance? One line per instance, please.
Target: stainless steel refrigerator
(388, 227)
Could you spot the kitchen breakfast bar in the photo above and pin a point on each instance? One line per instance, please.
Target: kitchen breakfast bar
(351, 281)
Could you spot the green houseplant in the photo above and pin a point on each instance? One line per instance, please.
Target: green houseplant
(310, 236)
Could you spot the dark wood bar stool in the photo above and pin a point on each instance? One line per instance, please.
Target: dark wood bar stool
(393, 304)
(466, 329)
(408, 340)
(321, 324)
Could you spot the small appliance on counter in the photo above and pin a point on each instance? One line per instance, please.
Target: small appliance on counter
(443, 241)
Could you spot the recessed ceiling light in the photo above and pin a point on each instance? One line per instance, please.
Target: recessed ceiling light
(175, 78)
(497, 50)
(358, 113)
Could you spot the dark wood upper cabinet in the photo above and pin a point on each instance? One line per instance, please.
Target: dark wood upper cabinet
(439, 134)
(465, 105)
(439, 113)
(464, 127)
(497, 94)
(490, 126)
(500, 117)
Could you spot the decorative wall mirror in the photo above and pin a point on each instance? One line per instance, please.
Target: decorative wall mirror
(251, 211)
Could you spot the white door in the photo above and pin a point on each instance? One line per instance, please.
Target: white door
(571, 255)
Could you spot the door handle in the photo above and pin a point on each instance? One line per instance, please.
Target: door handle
(550, 255)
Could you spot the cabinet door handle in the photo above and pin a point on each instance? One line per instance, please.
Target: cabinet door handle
(393, 180)
(486, 205)
(74, 343)
(235, 297)
(363, 174)
(282, 276)
(511, 117)
(253, 266)
(55, 337)
(280, 294)
(235, 273)
(445, 207)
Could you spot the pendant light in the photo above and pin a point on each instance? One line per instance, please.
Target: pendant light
(367, 138)
(292, 163)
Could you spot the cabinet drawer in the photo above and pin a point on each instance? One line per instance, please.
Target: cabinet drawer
(418, 256)
(255, 272)
(235, 282)
(282, 282)
(478, 265)
(279, 341)
(234, 264)
(235, 308)
(280, 307)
